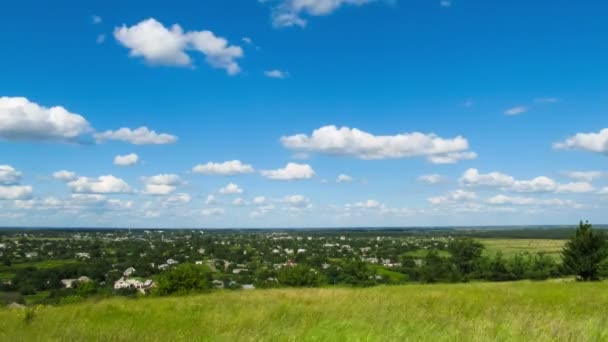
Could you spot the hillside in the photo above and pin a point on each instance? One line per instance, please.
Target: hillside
(481, 311)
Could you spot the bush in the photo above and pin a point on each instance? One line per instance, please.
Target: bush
(184, 279)
(300, 276)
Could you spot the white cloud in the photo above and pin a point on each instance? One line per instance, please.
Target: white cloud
(65, 176)
(101, 185)
(138, 136)
(516, 110)
(593, 142)
(577, 188)
(454, 196)
(276, 74)
(360, 144)
(96, 19)
(290, 12)
(537, 184)
(529, 201)
(297, 201)
(9, 176)
(603, 191)
(431, 179)
(546, 100)
(344, 179)
(21, 119)
(587, 176)
(210, 200)
(231, 189)
(292, 171)
(472, 177)
(212, 212)
(445, 3)
(369, 204)
(177, 199)
(158, 44)
(239, 202)
(259, 200)
(228, 168)
(247, 40)
(126, 160)
(163, 184)
(15, 192)
(100, 39)
(452, 158)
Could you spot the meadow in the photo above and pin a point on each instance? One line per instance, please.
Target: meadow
(533, 311)
(510, 247)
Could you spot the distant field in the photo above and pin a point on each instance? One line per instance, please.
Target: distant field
(510, 247)
(7, 272)
(522, 311)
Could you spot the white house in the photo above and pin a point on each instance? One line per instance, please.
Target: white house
(128, 272)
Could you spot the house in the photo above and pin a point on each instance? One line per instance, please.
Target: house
(128, 272)
(124, 283)
(83, 255)
(248, 287)
(163, 267)
(172, 262)
(301, 250)
(218, 284)
(69, 283)
(239, 270)
(30, 255)
(198, 262)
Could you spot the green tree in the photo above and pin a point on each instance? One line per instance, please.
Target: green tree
(184, 279)
(465, 255)
(583, 253)
(300, 276)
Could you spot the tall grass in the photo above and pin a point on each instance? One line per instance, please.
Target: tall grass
(528, 311)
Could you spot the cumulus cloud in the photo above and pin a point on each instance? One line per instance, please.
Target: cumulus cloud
(291, 171)
(530, 201)
(177, 199)
(354, 142)
(228, 168)
(259, 200)
(342, 178)
(138, 136)
(126, 160)
(431, 179)
(593, 142)
(15, 192)
(587, 176)
(445, 3)
(212, 212)
(286, 13)
(65, 176)
(163, 184)
(275, 73)
(297, 201)
(454, 196)
(102, 185)
(96, 19)
(472, 178)
(161, 45)
(231, 189)
(516, 110)
(9, 176)
(239, 202)
(21, 119)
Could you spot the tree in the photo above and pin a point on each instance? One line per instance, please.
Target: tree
(184, 279)
(465, 254)
(584, 252)
(300, 276)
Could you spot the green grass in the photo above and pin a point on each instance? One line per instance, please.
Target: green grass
(510, 247)
(8, 272)
(522, 311)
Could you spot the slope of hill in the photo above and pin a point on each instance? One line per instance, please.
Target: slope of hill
(540, 311)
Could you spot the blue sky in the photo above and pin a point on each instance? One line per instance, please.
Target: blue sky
(434, 113)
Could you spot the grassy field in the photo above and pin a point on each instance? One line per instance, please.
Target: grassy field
(7, 272)
(545, 311)
(510, 247)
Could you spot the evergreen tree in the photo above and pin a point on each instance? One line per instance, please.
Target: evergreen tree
(584, 252)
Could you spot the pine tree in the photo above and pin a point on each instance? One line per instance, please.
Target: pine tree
(583, 253)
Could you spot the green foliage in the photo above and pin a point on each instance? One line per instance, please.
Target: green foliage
(465, 254)
(584, 252)
(184, 279)
(300, 276)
